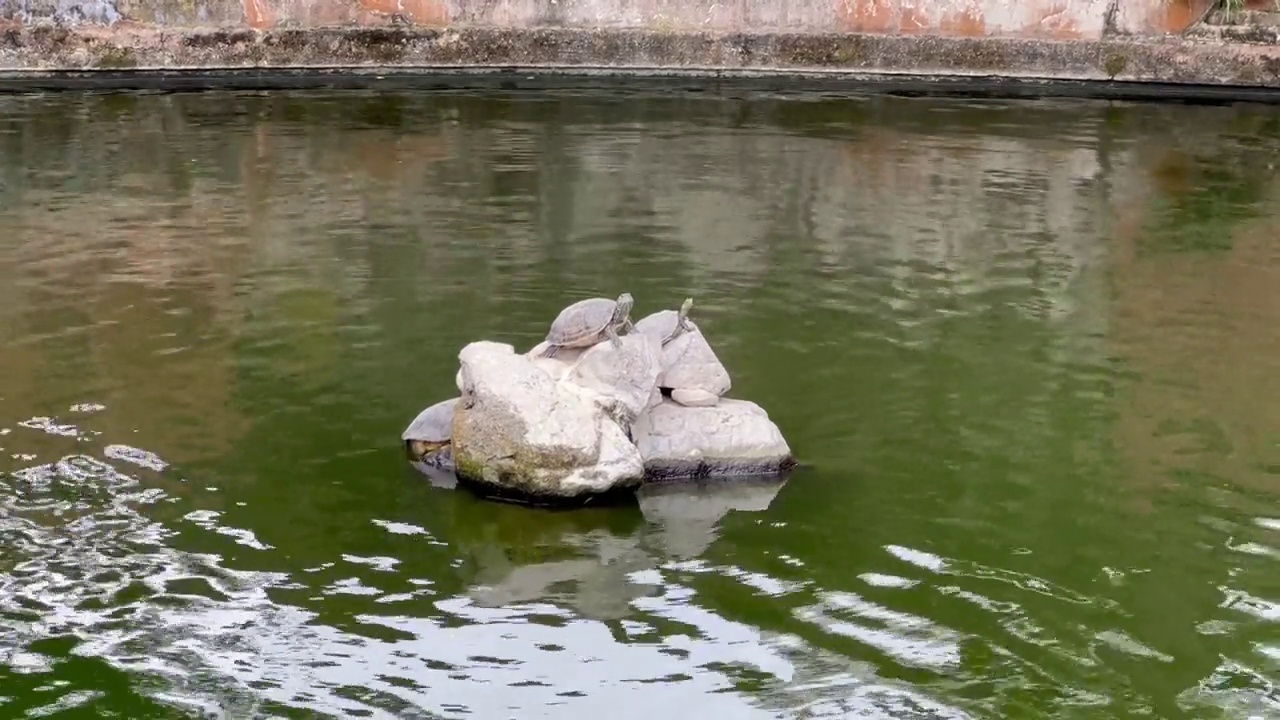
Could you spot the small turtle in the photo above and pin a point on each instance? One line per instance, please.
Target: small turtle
(666, 325)
(691, 374)
(588, 322)
(429, 436)
(682, 324)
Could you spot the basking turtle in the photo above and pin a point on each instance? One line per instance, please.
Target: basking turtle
(691, 373)
(428, 437)
(667, 327)
(588, 322)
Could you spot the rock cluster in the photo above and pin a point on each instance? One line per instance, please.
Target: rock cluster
(597, 409)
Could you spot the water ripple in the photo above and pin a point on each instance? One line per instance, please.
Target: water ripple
(1026, 352)
(108, 578)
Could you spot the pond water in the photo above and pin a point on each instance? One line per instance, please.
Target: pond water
(1027, 353)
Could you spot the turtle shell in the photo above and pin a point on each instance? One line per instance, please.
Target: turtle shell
(433, 425)
(581, 322)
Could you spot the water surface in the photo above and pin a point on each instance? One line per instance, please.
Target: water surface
(1027, 352)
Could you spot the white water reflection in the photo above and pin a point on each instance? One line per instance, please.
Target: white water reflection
(620, 629)
(908, 639)
(1237, 689)
(216, 639)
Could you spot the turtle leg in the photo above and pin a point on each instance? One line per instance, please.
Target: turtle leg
(626, 325)
(613, 338)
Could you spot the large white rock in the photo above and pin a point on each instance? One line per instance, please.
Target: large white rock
(519, 432)
(556, 366)
(623, 379)
(735, 437)
(688, 362)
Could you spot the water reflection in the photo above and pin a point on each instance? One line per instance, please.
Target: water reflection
(1024, 349)
(97, 571)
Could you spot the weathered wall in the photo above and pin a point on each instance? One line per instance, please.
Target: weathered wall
(1050, 19)
(1074, 40)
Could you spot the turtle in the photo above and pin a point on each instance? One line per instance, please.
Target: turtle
(666, 325)
(692, 375)
(588, 322)
(682, 324)
(428, 438)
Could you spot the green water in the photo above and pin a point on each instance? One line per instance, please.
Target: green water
(1027, 352)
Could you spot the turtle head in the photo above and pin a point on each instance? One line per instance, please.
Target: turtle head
(685, 307)
(419, 450)
(625, 302)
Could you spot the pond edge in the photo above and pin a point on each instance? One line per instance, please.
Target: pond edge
(129, 56)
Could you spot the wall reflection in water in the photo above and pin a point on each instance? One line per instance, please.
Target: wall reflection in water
(1027, 352)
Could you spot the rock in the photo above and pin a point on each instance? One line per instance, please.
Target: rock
(564, 356)
(624, 379)
(518, 433)
(427, 438)
(655, 398)
(688, 362)
(693, 397)
(736, 437)
(556, 366)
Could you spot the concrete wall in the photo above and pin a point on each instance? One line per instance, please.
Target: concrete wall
(52, 41)
(1048, 19)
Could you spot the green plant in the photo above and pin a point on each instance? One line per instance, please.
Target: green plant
(1114, 65)
(115, 58)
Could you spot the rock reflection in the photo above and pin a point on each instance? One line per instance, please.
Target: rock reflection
(608, 566)
(685, 517)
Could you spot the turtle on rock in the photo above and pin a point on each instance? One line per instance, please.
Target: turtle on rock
(588, 322)
(691, 372)
(428, 439)
(682, 324)
(666, 325)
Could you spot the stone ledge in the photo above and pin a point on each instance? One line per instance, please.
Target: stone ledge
(1231, 34)
(49, 54)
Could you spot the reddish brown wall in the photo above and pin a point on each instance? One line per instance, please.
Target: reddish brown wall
(1048, 19)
